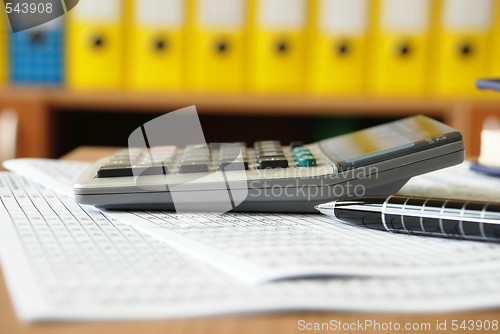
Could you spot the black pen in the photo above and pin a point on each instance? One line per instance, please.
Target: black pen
(470, 220)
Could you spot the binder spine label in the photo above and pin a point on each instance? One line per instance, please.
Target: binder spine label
(282, 14)
(226, 14)
(408, 15)
(348, 17)
(160, 12)
(97, 10)
(466, 14)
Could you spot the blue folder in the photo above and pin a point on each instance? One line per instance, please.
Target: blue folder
(36, 55)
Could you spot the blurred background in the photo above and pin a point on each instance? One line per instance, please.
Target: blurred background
(255, 69)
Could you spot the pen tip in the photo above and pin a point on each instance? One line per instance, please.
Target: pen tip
(317, 207)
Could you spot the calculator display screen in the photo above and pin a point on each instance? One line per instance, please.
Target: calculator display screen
(387, 141)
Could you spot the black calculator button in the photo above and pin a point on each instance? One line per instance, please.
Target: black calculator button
(156, 169)
(225, 166)
(194, 167)
(272, 162)
(115, 170)
(295, 144)
(128, 170)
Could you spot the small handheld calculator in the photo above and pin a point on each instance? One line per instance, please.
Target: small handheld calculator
(268, 176)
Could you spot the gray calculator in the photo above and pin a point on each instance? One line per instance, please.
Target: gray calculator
(268, 176)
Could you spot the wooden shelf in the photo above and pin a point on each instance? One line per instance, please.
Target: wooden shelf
(35, 106)
(252, 104)
(299, 104)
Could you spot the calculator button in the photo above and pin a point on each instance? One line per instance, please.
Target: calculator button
(225, 166)
(128, 170)
(230, 156)
(232, 146)
(306, 161)
(267, 146)
(166, 148)
(299, 150)
(295, 144)
(143, 160)
(196, 159)
(155, 169)
(272, 162)
(194, 167)
(274, 143)
(272, 153)
(115, 170)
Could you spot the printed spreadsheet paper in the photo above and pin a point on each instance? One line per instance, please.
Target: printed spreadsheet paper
(458, 182)
(62, 261)
(57, 174)
(265, 247)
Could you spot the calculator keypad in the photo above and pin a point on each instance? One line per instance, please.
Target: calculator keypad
(201, 158)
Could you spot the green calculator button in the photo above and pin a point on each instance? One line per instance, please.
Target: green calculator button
(298, 156)
(300, 151)
(306, 161)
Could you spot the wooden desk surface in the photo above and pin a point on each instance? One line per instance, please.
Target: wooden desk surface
(251, 324)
